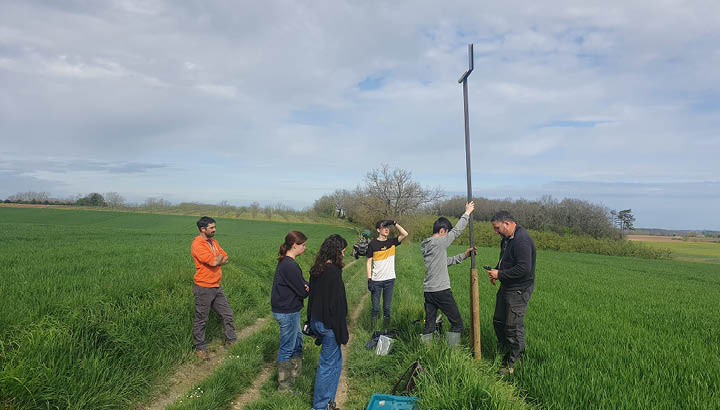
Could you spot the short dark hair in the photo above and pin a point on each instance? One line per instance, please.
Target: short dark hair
(502, 216)
(442, 223)
(204, 222)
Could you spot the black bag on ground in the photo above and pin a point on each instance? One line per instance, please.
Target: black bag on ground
(407, 379)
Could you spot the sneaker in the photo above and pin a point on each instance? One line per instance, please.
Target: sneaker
(505, 370)
(202, 355)
(228, 343)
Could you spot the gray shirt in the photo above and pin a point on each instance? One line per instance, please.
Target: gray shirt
(434, 250)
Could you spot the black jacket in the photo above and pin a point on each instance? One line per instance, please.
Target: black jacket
(328, 303)
(517, 260)
(288, 290)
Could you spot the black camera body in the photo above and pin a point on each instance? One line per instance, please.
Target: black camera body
(388, 223)
(307, 330)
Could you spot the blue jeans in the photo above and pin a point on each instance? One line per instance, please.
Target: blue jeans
(290, 335)
(329, 367)
(386, 287)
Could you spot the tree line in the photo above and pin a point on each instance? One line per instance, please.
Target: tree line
(388, 193)
(392, 193)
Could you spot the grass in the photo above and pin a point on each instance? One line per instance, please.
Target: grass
(234, 376)
(96, 307)
(602, 332)
(690, 251)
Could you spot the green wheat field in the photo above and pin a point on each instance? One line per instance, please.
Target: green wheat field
(96, 312)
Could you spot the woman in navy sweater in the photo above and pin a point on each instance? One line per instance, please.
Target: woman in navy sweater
(288, 291)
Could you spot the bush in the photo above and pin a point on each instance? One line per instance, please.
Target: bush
(420, 227)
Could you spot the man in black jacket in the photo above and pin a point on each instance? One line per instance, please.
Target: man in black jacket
(516, 273)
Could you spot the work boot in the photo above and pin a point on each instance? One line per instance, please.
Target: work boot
(202, 355)
(426, 338)
(373, 323)
(296, 368)
(331, 406)
(386, 324)
(506, 370)
(284, 375)
(453, 338)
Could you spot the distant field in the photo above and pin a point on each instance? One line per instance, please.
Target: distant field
(705, 251)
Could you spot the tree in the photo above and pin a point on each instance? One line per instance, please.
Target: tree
(30, 197)
(393, 193)
(626, 219)
(156, 203)
(114, 200)
(93, 199)
(254, 208)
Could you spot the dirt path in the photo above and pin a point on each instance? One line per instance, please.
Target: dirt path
(342, 393)
(253, 393)
(190, 374)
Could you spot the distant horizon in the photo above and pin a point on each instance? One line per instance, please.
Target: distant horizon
(305, 206)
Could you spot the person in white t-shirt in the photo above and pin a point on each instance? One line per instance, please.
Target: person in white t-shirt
(381, 270)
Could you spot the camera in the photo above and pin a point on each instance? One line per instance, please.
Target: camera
(307, 330)
(388, 223)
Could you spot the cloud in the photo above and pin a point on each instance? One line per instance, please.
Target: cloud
(560, 92)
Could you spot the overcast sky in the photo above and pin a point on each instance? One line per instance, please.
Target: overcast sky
(615, 102)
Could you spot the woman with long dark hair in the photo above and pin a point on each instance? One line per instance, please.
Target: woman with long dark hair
(327, 314)
(288, 291)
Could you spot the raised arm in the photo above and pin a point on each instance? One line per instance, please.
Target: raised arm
(448, 239)
(403, 232)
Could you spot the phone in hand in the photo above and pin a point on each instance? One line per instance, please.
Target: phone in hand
(487, 267)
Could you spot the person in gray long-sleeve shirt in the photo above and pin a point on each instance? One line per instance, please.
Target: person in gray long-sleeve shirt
(437, 280)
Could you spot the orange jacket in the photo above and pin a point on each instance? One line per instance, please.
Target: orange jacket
(203, 254)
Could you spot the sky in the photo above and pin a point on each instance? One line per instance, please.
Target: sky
(281, 102)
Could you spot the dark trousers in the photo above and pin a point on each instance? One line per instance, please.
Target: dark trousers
(205, 300)
(386, 288)
(509, 322)
(444, 301)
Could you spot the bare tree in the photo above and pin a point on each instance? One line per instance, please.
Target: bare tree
(30, 196)
(114, 200)
(393, 193)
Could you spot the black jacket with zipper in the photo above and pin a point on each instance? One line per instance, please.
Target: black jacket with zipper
(517, 260)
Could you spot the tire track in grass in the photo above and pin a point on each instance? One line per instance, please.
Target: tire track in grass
(253, 393)
(342, 393)
(188, 375)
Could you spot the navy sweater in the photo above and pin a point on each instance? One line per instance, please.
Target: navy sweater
(288, 290)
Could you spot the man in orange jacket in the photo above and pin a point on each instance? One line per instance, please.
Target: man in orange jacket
(209, 257)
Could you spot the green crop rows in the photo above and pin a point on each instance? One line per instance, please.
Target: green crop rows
(97, 310)
(97, 306)
(603, 333)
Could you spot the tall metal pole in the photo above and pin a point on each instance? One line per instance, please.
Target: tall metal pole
(474, 292)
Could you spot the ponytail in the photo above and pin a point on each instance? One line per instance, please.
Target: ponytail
(292, 238)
